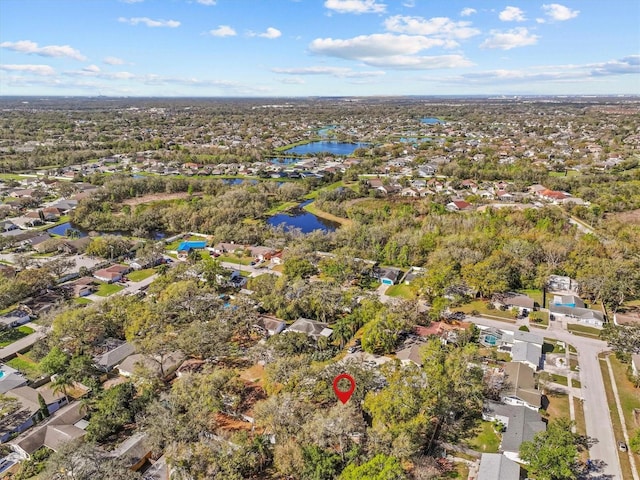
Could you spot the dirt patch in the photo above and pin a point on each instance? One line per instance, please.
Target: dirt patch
(627, 217)
(156, 197)
(229, 424)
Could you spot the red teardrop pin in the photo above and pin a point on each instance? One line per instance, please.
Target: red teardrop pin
(344, 396)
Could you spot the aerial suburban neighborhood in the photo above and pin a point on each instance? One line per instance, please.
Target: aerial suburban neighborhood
(180, 295)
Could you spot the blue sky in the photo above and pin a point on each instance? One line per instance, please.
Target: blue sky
(318, 47)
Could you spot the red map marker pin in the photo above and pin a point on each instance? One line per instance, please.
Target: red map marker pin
(344, 396)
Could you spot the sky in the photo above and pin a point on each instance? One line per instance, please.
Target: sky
(294, 48)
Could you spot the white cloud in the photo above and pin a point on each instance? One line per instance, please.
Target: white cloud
(96, 72)
(29, 47)
(553, 73)
(44, 70)
(149, 22)
(466, 12)
(389, 51)
(355, 6)
(92, 69)
(559, 13)
(440, 27)
(113, 61)
(518, 37)
(208, 3)
(376, 45)
(293, 81)
(512, 14)
(409, 3)
(271, 33)
(340, 72)
(223, 31)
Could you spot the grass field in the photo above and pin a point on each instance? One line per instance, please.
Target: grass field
(559, 379)
(139, 275)
(26, 366)
(82, 301)
(281, 208)
(230, 258)
(106, 289)
(7, 337)
(583, 330)
(558, 406)
(625, 465)
(402, 291)
(481, 307)
(486, 439)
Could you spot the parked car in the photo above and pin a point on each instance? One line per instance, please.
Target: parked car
(622, 446)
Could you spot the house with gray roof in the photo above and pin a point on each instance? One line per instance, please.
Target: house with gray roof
(312, 328)
(495, 466)
(585, 316)
(523, 425)
(10, 378)
(108, 360)
(519, 386)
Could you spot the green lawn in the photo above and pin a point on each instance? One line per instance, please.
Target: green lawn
(26, 365)
(576, 383)
(613, 413)
(7, 337)
(559, 379)
(486, 439)
(402, 291)
(281, 208)
(139, 275)
(234, 259)
(481, 307)
(583, 330)
(558, 406)
(106, 289)
(81, 301)
(533, 293)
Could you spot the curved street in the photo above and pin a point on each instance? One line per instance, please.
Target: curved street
(598, 426)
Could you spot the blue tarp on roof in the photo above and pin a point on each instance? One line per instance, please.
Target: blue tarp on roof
(188, 245)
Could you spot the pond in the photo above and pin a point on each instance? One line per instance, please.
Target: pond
(431, 120)
(327, 146)
(299, 218)
(81, 232)
(238, 181)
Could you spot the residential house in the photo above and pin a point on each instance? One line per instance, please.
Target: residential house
(111, 274)
(269, 326)
(27, 409)
(586, 316)
(571, 301)
(495, 466)
(65, 425)
(14, 318)
(559, 283)
(524, 347)
(388, 275)
(7, 226)
(82, 286)
(135, 450)
(521, 424)
(164, 366)
(114, 353)
(411, 354)
(458, 206)
(10, 379)
(509, 300)
(519, 386)
(311, 328)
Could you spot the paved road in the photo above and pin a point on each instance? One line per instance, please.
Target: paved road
(595, 399)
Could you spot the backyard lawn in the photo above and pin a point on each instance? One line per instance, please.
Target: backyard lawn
(27, 366)
(7, 337)
(139, 275)
(486, 440)
(481, 307)
(107, 289)
(402, 291)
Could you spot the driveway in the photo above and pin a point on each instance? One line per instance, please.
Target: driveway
(24, 343)
(253, 271)
(595, 403)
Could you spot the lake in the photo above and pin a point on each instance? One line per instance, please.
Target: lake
(327, 146)
(299, 218)
(63, 227)
(238, 181)
(431, 120)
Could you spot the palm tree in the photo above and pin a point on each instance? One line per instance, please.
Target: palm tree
(61, 385)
